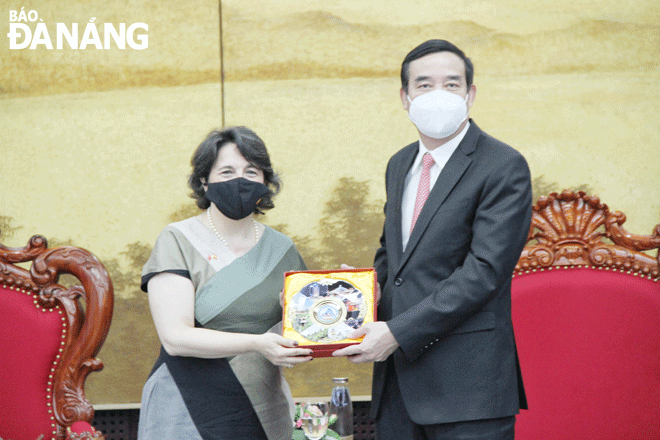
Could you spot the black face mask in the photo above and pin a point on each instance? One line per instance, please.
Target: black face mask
(236, 198)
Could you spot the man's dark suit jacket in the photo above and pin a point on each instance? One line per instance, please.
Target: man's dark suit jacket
(447, 297)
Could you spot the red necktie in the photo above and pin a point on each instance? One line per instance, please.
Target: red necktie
(424, 187)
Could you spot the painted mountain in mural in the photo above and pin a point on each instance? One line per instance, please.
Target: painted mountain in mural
(318, 44)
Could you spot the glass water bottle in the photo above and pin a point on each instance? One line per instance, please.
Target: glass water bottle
(341, 406)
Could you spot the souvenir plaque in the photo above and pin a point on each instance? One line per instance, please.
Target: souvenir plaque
(322, 307)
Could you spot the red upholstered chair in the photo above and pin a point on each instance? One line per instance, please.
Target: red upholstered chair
(586, 314)
(47, 339)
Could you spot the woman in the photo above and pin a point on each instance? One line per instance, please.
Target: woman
(213, 283)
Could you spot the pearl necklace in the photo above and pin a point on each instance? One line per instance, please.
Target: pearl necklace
(254, 223)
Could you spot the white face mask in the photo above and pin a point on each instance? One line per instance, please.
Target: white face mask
(438, 114)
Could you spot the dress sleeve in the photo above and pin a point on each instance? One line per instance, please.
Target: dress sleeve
(167, 256)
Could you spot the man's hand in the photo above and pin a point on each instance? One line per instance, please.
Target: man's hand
(377, 345)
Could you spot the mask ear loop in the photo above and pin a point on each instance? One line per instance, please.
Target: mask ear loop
(467, 110)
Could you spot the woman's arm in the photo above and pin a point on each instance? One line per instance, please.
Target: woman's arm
(172, 304)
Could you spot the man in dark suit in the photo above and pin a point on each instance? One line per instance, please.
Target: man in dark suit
(456, 219)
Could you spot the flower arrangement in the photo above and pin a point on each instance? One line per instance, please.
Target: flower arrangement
(297, 425)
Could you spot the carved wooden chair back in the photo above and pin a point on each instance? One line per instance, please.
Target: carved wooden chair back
(586, 314)
(48, 341)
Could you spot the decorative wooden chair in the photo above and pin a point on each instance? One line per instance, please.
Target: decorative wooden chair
(48, 343)
(586, 314)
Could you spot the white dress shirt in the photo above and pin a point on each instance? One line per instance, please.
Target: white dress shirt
(440, 155)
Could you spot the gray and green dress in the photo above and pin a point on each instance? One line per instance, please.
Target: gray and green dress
(242, 397)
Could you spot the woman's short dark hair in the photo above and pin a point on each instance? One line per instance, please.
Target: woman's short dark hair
(432, 46)
(253, 150)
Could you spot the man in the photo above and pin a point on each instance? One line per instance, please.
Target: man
(456, 219)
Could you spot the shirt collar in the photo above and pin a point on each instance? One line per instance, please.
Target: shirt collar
(441, 154)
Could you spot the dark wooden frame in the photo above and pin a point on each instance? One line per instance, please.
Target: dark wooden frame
(576, 229)
(86, 328)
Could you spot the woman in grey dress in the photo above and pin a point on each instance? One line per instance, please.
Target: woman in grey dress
(213, 283)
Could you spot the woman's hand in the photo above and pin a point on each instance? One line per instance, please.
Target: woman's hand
(282, 351)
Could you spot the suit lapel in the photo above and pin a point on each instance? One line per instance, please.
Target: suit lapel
(448, 178)
(394, 232)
